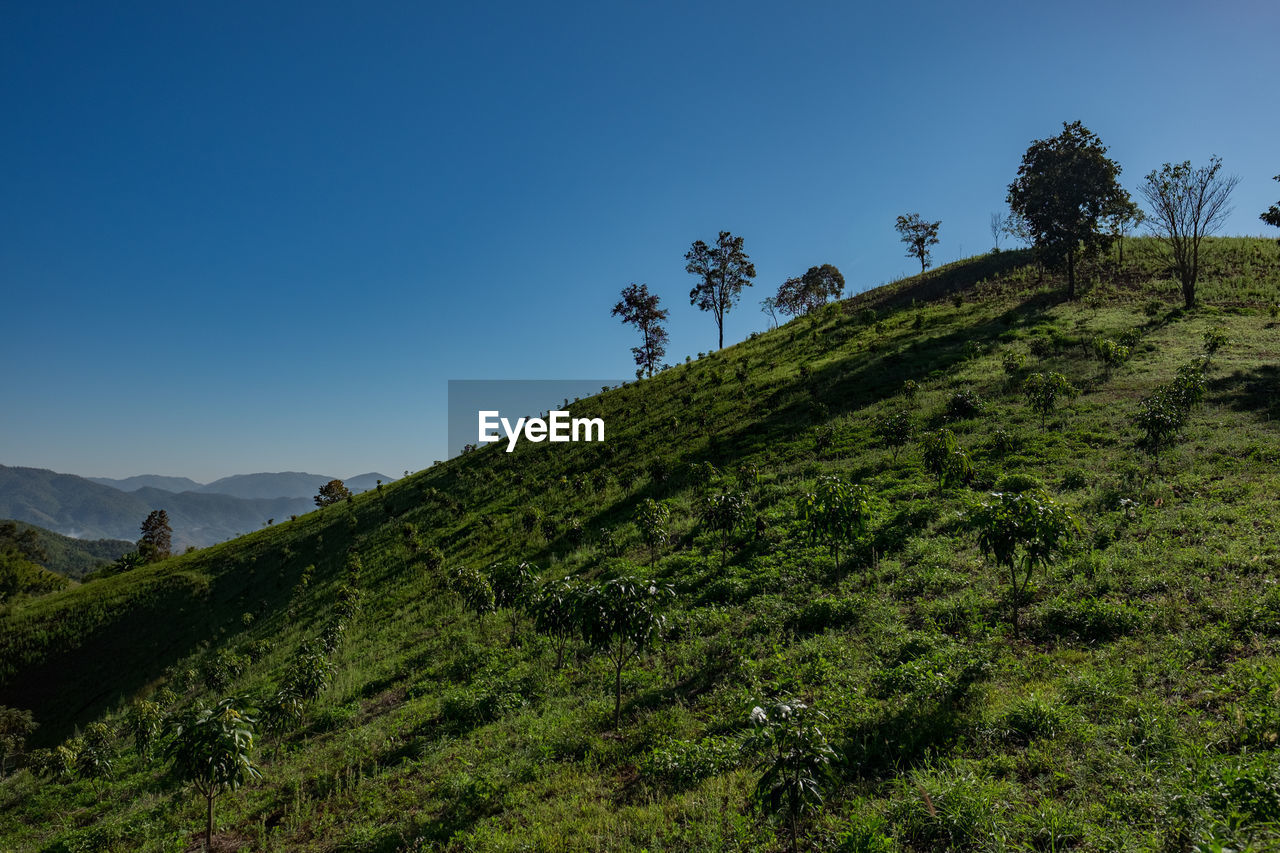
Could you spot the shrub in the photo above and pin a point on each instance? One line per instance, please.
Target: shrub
(1044, 390)
(965, 404)
(944, 459)
(895, 430)
(836, 512)
(797, 762)
(1019, 531)
(724, 514)
(678, 764)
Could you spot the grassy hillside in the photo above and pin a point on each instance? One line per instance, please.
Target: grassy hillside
(1137, 710)
(76, 557)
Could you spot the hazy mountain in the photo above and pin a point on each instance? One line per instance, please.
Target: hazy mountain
(77, 507)
(286, 484)
(153, 481)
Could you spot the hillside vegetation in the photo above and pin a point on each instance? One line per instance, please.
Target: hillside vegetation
(1135, 708)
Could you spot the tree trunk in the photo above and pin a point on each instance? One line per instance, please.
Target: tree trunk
(208, 827)
(1071, 273)
(617, 694)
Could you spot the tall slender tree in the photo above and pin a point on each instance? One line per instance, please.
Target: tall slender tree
(640, 308)
(919, 235)
(1187, 204)
(157, 537)
(1065, 187)
(722, 271)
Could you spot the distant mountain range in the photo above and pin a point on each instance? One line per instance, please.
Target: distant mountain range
(286, 484)
(200, 514)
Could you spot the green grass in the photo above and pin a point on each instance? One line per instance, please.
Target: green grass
(1138, 712)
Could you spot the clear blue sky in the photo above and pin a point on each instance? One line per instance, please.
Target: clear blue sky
(262, 236)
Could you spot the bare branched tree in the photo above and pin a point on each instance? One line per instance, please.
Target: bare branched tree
(1186, 205)
(997, 228)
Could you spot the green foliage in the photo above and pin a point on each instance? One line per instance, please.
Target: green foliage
(796, 759)
(1110, 353)
(15, 727)
(1065, 187)
(473, 589)
(1019, 531)
(332, 492)
(144, 724)
(944, 458)
(557, 608)
(1044, 390)
(310, 673)
(835, 513)
(652, 517)
(211, 748)
(622, 617)
(1214, 340)
(724, 514)
(809, 292)
(895, 430)
(157, 537)
(963, 404)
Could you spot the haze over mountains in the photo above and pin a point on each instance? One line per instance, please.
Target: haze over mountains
(200, 514)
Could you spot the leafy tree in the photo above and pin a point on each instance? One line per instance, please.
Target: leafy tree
(621, 617)
(15, 727)
(474, 589)
(282, 711)
(722, 271)
(944, 458)
(311, 672)
(1110, 353)
(1214, 339)
(157, 537)
(724, 514)
(1019, 531)
(1044, 390)
(513, 585)
(1161, 417)
(919, 235)
(797, 762)
(652, 518)
(95, 757)
(332, 492)
(836, 512)
(1186, 205)
(1065, 187)
(557, 612)
(806, 293)
(1271, 215)
(640, 308)
(212, 748)
(895, 430)
(144, 723)
(20, 576)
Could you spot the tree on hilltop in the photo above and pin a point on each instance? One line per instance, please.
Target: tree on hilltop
(919, 235)
(1271, 215)
(722, 271)
(808, 292)
(640, 308)
(331, 493)
(1187, 204)
(1065, 187)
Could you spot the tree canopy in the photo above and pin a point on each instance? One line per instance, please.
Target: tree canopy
(1066, 186)
(640, 308)
(332, 492)
(722, 271)
(919, 235)
(157, 537)
(808, 292)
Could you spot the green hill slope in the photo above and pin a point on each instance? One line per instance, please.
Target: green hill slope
(75, 557)
(1136, 710)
